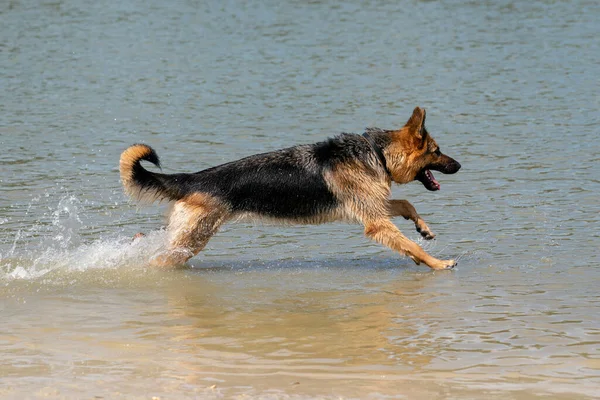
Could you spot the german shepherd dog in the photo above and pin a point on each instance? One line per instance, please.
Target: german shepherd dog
(345, 178)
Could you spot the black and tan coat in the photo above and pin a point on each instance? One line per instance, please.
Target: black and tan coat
(346, 178)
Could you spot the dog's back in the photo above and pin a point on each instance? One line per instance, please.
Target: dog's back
(289, 183)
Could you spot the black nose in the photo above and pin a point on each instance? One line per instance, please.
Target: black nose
(448, 166)
(452, 167)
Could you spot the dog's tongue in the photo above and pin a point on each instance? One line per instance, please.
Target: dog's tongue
(432, 180)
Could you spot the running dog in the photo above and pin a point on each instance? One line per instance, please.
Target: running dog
(346, 178)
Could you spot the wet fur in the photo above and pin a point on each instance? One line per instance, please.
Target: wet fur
(342, 178)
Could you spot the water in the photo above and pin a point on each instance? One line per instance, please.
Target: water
(511, 90)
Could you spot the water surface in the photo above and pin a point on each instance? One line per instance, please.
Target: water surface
(511, 90)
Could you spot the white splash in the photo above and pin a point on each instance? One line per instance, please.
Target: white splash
(59, 246)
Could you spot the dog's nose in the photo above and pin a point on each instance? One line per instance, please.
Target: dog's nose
(457, 166)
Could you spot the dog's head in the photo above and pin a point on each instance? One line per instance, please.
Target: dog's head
(412, 154)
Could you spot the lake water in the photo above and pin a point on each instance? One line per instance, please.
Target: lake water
(512, 92)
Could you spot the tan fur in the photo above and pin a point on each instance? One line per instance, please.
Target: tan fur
(402, 208)
(385, 232)
(361, 193)
(407, 153)
(404, 157)
(365, 199)
(192, 222)
(129, 158)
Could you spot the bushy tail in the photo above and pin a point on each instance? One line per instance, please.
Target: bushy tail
(142, 184)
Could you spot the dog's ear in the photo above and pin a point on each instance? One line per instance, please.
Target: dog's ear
(416, 122)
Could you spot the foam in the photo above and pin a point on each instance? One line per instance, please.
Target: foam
(60, 247)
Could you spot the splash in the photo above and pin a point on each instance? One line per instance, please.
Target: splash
(56, 244)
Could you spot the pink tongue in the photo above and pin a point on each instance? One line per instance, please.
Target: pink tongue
(432, 179)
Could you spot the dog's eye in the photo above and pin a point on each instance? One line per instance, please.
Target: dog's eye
(437, 152)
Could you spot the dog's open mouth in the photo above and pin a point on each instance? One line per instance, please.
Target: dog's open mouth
(427, 179)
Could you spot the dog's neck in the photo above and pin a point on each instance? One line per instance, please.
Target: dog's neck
(370, 136)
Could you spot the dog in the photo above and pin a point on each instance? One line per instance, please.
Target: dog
(345, 178)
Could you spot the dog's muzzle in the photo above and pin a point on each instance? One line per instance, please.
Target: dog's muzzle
(451, 167)
(446, 166)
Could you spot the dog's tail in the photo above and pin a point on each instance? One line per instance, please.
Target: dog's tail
(144, 185)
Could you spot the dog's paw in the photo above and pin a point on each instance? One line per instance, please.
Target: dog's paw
(449, 264)
(443, 264)
(424, 230)
(137, 237)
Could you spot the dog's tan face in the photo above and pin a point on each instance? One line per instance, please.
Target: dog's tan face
(413, 153)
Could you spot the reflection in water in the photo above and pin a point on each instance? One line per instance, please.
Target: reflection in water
(339, 329)
(309, 333)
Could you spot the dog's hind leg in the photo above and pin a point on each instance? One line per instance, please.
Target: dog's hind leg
(385, 232)
(402, 208)
(193, 221)
(137, 237)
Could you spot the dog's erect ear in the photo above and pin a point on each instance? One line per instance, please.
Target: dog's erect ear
(416, 122)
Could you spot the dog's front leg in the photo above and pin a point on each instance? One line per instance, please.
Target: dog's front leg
(385, 232)
(402, 208)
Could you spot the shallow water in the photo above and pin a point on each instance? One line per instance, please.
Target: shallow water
(511, 90)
